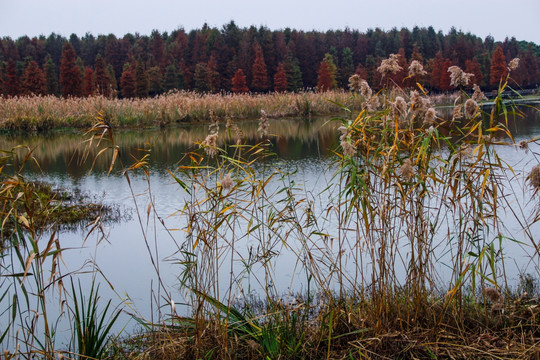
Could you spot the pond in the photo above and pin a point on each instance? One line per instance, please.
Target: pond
(139, 256)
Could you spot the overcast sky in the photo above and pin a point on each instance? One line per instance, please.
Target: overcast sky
(519, 18)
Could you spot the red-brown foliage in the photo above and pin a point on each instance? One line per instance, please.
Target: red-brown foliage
(324, 82)
(127, 83)
(70, 75)
(89, 87)
(33, 80)
(437, 71)
(11, 85)
(102, 81)
(473, 67)
(498, 66)
(444, 84)
(280, 79)
(239, 82)
(259, 81)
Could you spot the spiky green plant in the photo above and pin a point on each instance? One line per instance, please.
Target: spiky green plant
(91, 328)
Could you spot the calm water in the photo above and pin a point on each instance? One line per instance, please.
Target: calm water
(123, 255)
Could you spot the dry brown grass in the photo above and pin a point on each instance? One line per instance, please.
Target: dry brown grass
(45, 112)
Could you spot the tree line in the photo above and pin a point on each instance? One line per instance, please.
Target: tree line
(239, 60)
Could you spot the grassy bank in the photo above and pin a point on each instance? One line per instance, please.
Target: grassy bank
(402, 255)
(39, 113)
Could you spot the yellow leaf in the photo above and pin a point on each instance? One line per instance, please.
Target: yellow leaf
(24, 221)
(27, 264)
(486, 174)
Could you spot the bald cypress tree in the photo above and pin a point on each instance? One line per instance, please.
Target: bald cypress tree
(11, 83)
(70, 75)
(259, 81)
(280, 79)
(239, 82)
(89, 83)
(498, 66)
(325, 79)
(33, 80)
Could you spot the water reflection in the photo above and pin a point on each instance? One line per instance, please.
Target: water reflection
(302, 147)
(64, 153)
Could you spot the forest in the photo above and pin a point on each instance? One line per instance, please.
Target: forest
(251, 60)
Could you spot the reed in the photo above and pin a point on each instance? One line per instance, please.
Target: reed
(401, 255)
(37, 113)
(32, 271)
(406, 183)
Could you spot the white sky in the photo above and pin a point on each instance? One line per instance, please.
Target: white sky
(498, 18)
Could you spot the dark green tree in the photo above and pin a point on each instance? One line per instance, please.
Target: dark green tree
(171, 80)
(127, 82)
(347, 67)
(101, 77)
(51, 77)
(141, 81)
(155, 81)
(293, 73)
(201, 78)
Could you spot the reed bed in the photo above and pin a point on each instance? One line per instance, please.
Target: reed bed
(402, 255)
(46, 112)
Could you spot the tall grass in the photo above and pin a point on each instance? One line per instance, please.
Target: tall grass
(401, 255)
(33, 299)
(40, 113)
(399, 259)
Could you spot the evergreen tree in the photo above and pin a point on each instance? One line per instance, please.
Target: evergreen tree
(141, 81)
(101, 76)
(155, 81)
(113, 85)
(127, 82)
(498, 66)
(293, 73)
(50, 77)
(280, 79)
(182, 84)
(70, 74)
(347, 67)
(214, 78)
(33, 80)
(259, 81)
(239, 84)
(371, 70)
(201, 78)
(172, 79)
